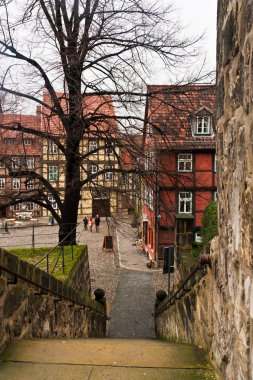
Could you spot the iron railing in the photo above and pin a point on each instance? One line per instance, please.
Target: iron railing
(61, 253)
(204, 261)
(59, 296)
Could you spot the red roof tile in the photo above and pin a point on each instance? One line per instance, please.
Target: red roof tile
(171, 109)
(18, 147)
(98, 110)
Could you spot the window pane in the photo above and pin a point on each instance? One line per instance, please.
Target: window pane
(16, 183)
(2, 183)
(53, 173)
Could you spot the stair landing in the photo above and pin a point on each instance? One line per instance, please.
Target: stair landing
(95, 359)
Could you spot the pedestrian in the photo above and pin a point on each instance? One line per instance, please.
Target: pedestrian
(90, 224)
(85, 223)
(97, 222)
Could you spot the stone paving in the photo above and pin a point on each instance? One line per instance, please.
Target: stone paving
(123, 272)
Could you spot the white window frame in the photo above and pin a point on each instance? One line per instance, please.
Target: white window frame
(146, 196)
(52, 173)
(109, 174)
(185, 202)
(30, 206)
(16, 207)
(52, 148)
(30, 183)
(184, 162)
(93, 144)
(27, 141)
(2, 183)
(109, 149)
(203, 125)
(15, 162)
(16, 183)
(215, 163)
(93, 169)
(51, 199)
(215, 197)
(9, 141)
(198, 237)
(30, 162)
(151, 199)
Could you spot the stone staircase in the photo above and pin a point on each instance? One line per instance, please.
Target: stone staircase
(95, 359)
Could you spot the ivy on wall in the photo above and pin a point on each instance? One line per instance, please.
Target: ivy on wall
(209, 223)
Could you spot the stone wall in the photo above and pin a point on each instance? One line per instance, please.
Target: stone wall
(198, 316)
(79, 276)
(218, 312)
(235, 177)
(26, 311)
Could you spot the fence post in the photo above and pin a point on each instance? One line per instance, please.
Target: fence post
(63, 260)
(33, 239)
(47, 264)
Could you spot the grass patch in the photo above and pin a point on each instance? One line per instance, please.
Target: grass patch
(189, 257)
(32, 256)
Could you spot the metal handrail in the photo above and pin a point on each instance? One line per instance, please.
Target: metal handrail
(59, 244)
(69, 299)
(62, 253)
(204, 260)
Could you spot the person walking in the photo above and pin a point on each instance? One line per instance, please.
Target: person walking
(97, 222)
(90, 224)
(85, 223)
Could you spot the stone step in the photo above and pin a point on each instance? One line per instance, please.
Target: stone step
(103, 359)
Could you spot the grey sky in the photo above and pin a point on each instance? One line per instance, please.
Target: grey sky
(198, 16)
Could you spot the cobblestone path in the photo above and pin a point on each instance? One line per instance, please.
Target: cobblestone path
(131, 314)
(132, 307)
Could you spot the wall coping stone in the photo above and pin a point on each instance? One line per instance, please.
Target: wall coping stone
(41, 279)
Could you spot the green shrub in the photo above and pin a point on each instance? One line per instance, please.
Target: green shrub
(209, 223)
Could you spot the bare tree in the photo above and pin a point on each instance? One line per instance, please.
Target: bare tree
(85, 48)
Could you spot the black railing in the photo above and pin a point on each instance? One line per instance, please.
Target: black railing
(61, 254)
(60, 297)
(33, 240)
(185, 286)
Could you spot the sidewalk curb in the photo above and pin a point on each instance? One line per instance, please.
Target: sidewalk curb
(127, 268)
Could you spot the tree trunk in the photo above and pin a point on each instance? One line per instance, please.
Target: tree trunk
(69, 212)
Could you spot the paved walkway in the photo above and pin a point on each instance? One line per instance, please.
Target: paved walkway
(131, 314)
(109, 359)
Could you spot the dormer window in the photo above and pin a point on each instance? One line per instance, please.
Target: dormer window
(202, 122)
(203, 125)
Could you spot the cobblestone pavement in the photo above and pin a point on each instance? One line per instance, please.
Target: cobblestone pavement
(131, 315)
(123, 272)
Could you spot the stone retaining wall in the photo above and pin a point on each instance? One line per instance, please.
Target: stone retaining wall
(25, 312)
(207, 316)
(218, 312)
(79, 276)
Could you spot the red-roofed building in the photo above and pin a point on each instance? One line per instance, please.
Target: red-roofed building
(131, 154)
(98, 149)
(180, 147)
(19, 151)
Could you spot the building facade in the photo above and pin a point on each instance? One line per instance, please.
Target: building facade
(180, 150)
(20, 156)
(100, 153)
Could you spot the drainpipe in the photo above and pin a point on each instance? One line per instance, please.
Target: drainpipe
(157, 221)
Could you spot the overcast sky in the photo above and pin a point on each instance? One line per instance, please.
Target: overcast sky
(198, 16)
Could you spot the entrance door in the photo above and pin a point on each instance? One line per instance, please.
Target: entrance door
(184, 232)
(100, 204)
